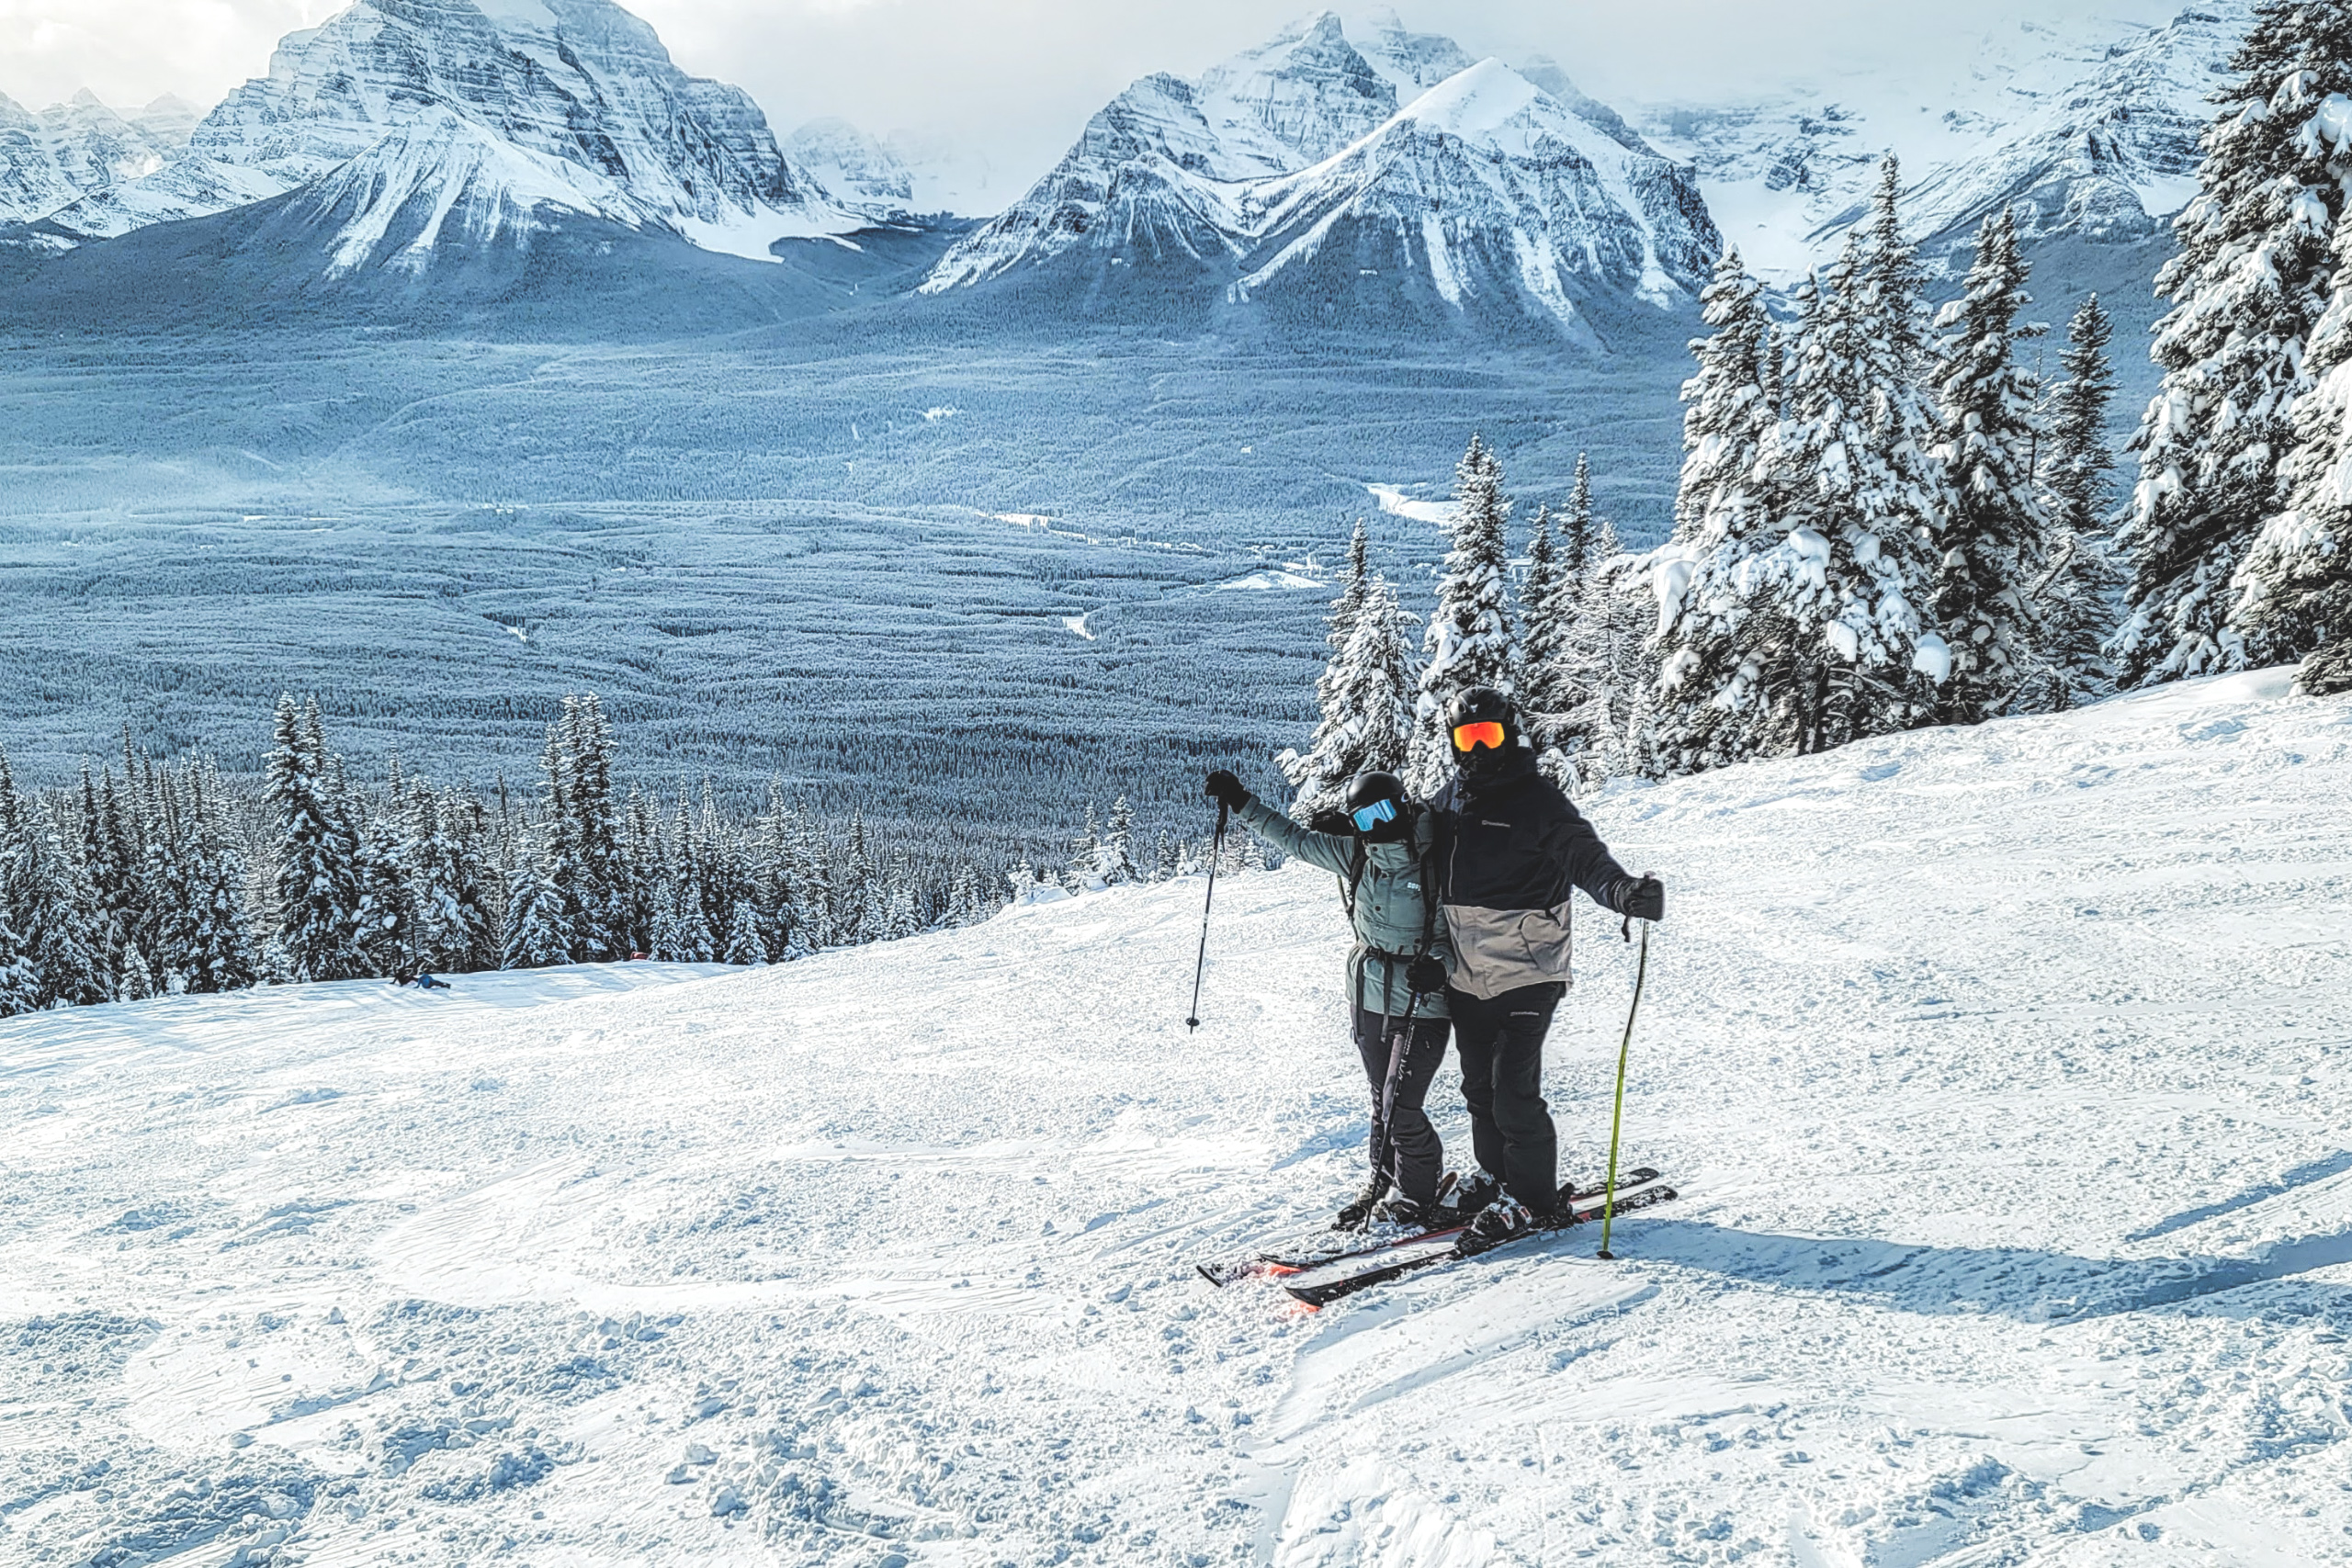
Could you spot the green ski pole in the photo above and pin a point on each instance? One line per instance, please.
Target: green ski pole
(1617, 1119)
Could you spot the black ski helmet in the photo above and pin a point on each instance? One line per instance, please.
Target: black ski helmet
(1483, 704)
(1369, 788)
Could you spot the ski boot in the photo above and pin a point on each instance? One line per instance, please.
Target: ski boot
(1505, 1219)
(1399, 1212)
(1460, 1197)
(1358, 1209)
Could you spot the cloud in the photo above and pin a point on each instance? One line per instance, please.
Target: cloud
(1016, 79)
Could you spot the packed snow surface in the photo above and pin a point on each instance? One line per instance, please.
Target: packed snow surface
(2003, 1073)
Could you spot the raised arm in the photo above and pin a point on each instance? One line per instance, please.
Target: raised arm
(1333, 852)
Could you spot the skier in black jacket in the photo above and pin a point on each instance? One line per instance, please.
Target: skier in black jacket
(1510, 851)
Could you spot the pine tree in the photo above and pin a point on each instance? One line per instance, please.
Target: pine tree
(2080, 584)
(1086, 854)
(2249, 286)
(1575, 526)
(1114, 861)
(535, 935)
(1544, 611)
(597, 875)
(1814, 641)
(812, 882)
(1720, 632)
(214, 947)
(1315, 789)
(2294, 591)
(317, 861)
(1372, 693)
(47, 905)
(1470, 641)
(19, 981)
(964, 898)
(743, 943)
(1997, 531)
(1023, 880)
(1615, 731)
(861, 913)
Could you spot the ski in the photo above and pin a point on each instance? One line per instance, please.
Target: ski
(1345, 1276)
(1326, 1248)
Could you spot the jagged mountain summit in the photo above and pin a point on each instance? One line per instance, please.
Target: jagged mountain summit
(401, 125)
(1348, 178)
(62, 154)
(2077, 131)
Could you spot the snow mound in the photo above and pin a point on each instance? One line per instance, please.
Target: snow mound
(2002, 1074)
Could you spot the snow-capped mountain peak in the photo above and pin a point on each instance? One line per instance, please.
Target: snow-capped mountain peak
(569, 105)
(1389, 168)
(2075, 130)
(65, 151)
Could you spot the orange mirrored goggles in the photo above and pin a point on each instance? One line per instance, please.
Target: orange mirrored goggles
(1470, 737)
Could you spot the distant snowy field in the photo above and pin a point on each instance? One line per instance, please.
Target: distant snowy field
(2003, 1073)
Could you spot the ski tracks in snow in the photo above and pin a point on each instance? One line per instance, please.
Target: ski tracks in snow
(2002, 1074)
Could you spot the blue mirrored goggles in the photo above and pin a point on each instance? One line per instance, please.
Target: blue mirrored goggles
(1373, 815)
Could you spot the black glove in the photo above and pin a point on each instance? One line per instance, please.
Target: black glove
(1329, 822)
(1644, 900)
(1226, 790)
(1426, 975)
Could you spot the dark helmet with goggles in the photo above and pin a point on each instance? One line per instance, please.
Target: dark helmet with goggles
(1377, 803)
(1481, 718)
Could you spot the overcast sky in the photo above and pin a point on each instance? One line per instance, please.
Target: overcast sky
(1016, 79)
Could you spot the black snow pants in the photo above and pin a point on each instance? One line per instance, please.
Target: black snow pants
(1399, 1061)
(1501, 1042)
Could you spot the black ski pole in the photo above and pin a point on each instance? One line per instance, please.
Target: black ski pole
(1216, 853)
(1617, 1120)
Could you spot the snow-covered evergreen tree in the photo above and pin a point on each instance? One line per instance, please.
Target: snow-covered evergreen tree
(1470, 640)
(1086, 854)
(2294, 589)
(2079, 586)
(743, 943)
(1022, 879)
(597, 876)
(1813, 639)
(2248, 287)
(1714, 638)
(1114, 861)
(1615, 731)
(213, 946)
(1995, 535)
(863, 912)
(1546, 614)
(47, 903)
(1372, 693)
(812, 885)
(318, 874)
(1316, 789)
(19, 981)
(536, 935)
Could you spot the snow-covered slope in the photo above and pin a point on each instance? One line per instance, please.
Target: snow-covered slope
(2005, 1074)
(1342, 177)
(413, 121)
(2087, 131)
(68, 150)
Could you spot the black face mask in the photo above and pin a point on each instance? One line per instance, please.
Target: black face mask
(1486, 761)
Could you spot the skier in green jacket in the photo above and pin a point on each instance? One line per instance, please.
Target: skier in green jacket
(1396, 976)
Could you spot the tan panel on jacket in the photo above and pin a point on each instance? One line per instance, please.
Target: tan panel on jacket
(1500, 950)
